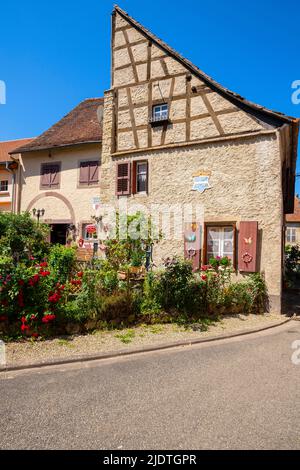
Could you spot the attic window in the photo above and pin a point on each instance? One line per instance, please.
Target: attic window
(160, 113)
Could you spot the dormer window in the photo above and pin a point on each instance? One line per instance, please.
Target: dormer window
(160, 114)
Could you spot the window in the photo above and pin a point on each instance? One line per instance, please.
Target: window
(291, 235)
(131, 178)
(220, 241)
(141, 177)
(4, 186)
(160, 113)
(89, 173)
(89, 231)
(50, 175)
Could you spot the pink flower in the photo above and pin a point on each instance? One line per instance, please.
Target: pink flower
(204, 277)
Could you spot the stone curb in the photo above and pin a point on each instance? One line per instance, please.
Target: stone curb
(125, 352)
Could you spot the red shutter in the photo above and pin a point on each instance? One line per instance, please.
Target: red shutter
(93, 172)
(84, 173)
(123, 179)
(247, 258)
(54, 176)
(147, 180)
(192, 244)
(133, 184)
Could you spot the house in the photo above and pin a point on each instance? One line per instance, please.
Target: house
(170, 141)
(8, 171)
(174, 136)
(292, 225)
(59, 172)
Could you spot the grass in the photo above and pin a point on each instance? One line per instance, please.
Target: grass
(126, 337)
(65, 342)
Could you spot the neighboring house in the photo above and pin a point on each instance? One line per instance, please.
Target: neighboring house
(170, 136)
(292, 225)
(8, 169)
(59, 171)
(176, 132)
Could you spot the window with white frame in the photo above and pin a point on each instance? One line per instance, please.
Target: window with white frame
(291, 235)
(3, 186)
(160, 112)
(141, 177)
(220, 242)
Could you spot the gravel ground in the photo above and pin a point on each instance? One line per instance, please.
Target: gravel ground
(29, 352)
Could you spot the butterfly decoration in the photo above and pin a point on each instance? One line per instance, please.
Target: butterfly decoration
(248, 241)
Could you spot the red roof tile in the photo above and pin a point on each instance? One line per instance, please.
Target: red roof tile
(82, 125)
(9, 145)
(295, 217)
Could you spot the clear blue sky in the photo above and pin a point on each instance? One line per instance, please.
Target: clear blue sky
(53, 54)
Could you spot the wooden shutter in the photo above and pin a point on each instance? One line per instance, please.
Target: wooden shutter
(133, 184)
(84, 173)
(192, 244)
(123, 179)
(93, 172)
(54, 176)
(247, 255)
(45, 176)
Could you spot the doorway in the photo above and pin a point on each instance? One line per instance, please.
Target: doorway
(58, 234)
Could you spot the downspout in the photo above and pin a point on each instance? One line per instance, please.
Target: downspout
(13, 184)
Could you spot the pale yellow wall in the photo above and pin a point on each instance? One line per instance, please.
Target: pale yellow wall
(80, 198)
(6, 198)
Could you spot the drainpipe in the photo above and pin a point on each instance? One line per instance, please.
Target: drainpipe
(13, 184)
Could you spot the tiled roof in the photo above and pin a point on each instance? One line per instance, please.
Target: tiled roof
(9, 145)
(82, 125)
(295, 216)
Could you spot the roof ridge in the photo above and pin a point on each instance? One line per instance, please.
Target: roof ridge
(16, 140)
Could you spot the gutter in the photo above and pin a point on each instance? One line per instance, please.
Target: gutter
(13, 184)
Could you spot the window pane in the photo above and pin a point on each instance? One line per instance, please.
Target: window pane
(4, 185)
(141, 177)
(220, 242)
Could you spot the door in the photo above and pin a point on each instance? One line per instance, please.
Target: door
(58, 234)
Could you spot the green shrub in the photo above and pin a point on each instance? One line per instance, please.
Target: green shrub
(62, 261)
(22, 238)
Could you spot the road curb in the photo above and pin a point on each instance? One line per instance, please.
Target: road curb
(125, 352)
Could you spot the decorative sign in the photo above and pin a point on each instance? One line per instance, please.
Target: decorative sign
(96, 202)
(201, 181)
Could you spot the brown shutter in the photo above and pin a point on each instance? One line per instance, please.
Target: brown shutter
(54, 176)
(192, 244)
(133, 183)
(147, 177)
(45, 176)
(123, 179)
(93, 172)
(247, 257)
(84, 173)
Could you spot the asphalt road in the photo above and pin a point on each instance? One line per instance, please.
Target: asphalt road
(232, 394)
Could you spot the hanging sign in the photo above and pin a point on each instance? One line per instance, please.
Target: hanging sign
(201, 181)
